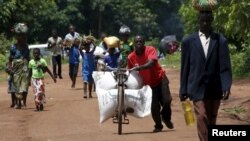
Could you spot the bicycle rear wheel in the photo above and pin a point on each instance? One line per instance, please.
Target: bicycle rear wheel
(120, 108)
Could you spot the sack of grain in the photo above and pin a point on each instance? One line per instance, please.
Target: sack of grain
(112, 41)
(204, 5)
(138, 99)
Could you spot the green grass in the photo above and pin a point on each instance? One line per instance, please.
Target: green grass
(172, 60)
(235, 110)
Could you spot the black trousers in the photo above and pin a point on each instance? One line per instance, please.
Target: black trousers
(161, 103)
(57, 61)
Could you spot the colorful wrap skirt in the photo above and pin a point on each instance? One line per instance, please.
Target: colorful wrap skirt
(19, 83)
(39, 90)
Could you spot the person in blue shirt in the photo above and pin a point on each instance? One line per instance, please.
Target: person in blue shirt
(88, 65)
(74, 61)
(112, 59)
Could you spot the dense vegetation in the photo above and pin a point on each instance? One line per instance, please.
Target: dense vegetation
(153, 18)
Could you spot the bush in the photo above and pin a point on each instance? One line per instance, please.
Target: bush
(237, 64)
(4, 44)
(240, 61)
(4, 47)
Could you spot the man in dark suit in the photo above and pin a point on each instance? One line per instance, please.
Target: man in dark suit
(206, 75)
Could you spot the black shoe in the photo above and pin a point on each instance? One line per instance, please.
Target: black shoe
(169, 124)
(55, 76)
(60, 77)
(157, 130)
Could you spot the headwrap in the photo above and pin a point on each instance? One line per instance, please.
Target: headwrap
(20, 28)
(204, 5)
(124, 30)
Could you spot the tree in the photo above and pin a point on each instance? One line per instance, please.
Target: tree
(231, 17)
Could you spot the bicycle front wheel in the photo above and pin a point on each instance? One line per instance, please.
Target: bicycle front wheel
(120, 108)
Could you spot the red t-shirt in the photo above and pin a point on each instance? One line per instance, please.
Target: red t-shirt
(151, 76)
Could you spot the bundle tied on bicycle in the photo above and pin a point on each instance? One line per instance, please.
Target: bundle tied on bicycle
(136, 95)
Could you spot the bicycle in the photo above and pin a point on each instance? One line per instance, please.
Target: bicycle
(120, 116)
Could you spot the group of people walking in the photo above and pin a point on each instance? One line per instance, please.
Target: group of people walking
(205, 76)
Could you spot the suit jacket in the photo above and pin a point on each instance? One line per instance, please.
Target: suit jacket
(201, 77)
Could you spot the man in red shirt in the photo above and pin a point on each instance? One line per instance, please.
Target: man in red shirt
(144, 59)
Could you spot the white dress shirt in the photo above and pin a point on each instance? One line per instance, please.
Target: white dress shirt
(204, 42)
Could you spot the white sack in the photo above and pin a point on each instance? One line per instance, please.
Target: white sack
(140, 100)
(108, 82)
(99, 51)
(134, 80)
(104, 80)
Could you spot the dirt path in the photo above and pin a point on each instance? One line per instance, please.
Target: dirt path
(69, 117)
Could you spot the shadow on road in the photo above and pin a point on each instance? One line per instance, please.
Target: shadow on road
(145, 132)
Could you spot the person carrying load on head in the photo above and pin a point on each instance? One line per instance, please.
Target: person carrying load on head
(112, 60)
(18, 65)
(126, 45)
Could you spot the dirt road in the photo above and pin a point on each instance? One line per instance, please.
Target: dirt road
(69, 117)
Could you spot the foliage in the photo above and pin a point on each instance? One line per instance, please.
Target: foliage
(189, 17)
(235, 17)
(4, 44)
(7, 8)
(4, 47)
(2, 62)
(231, 17)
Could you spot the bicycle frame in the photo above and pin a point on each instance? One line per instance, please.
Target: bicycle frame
(120, 116)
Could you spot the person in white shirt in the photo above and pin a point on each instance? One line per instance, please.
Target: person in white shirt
(69, 38)
(55, 45)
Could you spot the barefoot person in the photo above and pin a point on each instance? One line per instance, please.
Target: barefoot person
(37, 67)
(74, 60)
(18, 65)
(88, 65)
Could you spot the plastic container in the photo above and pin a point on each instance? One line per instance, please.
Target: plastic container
(188, 112)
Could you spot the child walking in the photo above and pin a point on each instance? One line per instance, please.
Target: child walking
(37, 67)
(112, 60)
(88, 65)
(74, 61)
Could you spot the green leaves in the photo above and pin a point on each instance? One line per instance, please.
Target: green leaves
(231, 17)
